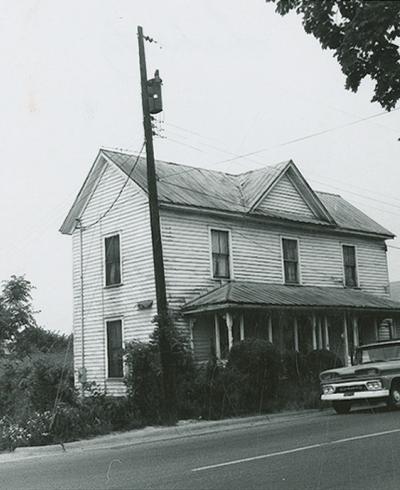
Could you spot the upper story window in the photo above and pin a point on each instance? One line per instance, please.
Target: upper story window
(112, 260)
(114, 349)
(220, 254)
(350, 266)
(290, 248)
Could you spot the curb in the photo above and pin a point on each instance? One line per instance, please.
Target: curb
(184, 429)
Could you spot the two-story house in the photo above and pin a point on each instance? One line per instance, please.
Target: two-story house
(255, 254)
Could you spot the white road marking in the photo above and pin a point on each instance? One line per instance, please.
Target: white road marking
(296, 450)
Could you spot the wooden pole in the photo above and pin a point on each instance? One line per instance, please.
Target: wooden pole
(229, 324)
(270, 334)
(241, 327)
(296, 334)
(345, 340)
(326, 329)
(167, 359)
(356, 338)
(217, 337)
(314, 332)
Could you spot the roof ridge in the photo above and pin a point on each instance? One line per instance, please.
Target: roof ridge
(328, 193)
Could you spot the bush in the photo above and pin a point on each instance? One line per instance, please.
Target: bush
(320, 360)
(256, 365)
(144, 375)
(31, 385)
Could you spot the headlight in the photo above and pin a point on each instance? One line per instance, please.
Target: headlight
(374, 385)
(328, 389)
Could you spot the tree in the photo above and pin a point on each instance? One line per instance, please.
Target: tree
(16, 311)
(364, 36)
(19, 331)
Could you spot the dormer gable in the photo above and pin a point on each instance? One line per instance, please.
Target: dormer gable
(289, 194)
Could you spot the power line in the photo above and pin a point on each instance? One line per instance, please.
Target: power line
(302, 138)
(119, 193)
(359, 195)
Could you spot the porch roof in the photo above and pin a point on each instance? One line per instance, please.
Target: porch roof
(261, 295)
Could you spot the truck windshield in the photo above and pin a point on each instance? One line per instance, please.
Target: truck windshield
(379, 353)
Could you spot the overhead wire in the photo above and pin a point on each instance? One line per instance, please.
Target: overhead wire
(303, 138)
(86, 227)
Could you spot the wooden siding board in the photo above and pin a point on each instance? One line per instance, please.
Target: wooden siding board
(257, 257)
(256, 252)
(129, 216)
(284, 197)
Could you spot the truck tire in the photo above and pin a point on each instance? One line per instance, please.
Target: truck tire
(341, 407)
(394, 396)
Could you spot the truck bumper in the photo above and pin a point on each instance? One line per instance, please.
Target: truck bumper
(360, 395)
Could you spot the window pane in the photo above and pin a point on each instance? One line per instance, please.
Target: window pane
(349, 255)
(349, 261)
(291, 272)
(114, 349)
(290, 261)
(290, 249)
(112, 252)
(220, 253)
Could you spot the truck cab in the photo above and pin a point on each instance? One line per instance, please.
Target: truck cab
(373, 376)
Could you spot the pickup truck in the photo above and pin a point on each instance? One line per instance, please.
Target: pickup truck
(373, 376)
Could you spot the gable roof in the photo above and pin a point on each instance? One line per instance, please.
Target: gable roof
(199, 188)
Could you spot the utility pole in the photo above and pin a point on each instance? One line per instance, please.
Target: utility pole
(167, 362)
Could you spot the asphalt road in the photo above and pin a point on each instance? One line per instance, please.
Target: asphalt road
(356, 451)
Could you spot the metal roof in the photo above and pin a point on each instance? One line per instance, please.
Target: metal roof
(206, 189)
(262, 295)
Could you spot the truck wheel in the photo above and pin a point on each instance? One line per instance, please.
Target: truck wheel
(341, 407)
(394, 397)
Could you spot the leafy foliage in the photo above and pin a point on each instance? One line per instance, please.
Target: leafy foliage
(35, 339)
(16, 312)
(144, 374)
(364, 35)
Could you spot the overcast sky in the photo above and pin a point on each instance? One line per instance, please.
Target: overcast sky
(238, 78)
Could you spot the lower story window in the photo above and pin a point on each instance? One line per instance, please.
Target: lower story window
(114, 349)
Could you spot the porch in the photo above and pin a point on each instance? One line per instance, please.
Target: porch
(297, 318)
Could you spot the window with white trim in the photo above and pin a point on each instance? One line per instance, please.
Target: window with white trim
(220, 254)
(290, 252)
(112, 260)
(350, 266)
(114, 349)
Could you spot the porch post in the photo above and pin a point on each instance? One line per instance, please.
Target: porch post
(320, 339)
(346, 340)
(270, 338)
(241, 327)
(217, 337)
(326, 329)
(229, 324)
(376, 328)
(356, 338)
(191, 325)
(314, 332)
(296, 334)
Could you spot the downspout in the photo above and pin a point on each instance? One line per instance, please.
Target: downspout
(82, 370)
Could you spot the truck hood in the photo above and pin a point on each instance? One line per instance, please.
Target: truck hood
(352, 371)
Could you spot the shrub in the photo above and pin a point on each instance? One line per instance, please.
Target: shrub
(320, 360)
(144, 375)
(255, 366)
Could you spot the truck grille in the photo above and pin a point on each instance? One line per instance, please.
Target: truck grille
(350, 388)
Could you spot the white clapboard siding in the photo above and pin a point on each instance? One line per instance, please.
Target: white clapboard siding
(284, 197)
(129, 217)
(257, 255)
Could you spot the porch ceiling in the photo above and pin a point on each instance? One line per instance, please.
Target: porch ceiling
(260, 295)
